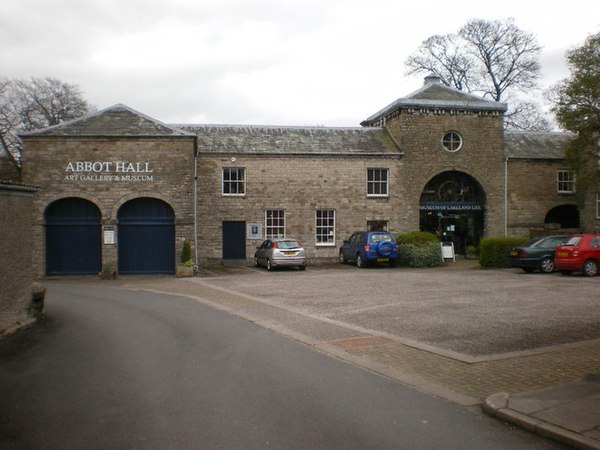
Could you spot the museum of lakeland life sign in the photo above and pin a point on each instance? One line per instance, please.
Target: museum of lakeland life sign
(109, 171)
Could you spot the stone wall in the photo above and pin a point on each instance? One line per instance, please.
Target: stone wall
(16, 257)
(590, 214)
(165, 171)
(299, 185)
(419, 134)
(532, 193)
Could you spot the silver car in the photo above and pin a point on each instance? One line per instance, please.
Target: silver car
(280, 252)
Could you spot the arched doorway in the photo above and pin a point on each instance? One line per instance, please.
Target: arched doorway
(452, 206)
(73, 244)
(146, 237)
(565, 215)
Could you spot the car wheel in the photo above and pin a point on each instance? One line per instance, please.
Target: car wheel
(547, 265)
(255, 261)
(590, 268)
(302, 267)
(269, 265)
(393, 262)
(361, 263)
(342, 257)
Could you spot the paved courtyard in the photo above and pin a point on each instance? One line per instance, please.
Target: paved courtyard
(469, 312)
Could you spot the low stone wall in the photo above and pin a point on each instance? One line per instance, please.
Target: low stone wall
(21, 303)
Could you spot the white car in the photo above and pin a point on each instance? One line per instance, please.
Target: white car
(280, 252)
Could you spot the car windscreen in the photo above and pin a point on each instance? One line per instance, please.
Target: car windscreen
(574, 241)
(288, 244)
(534, 242)
(381, 237)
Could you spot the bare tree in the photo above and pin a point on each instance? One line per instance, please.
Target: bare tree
(36, 103)
(507, 56)
(494, 58)
(443, 56)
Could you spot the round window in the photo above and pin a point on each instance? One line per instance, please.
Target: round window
(452, 141)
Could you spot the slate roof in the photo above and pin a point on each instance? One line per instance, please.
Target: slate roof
(435, 95)
(529, 145)
(254, 139)
(118, 120)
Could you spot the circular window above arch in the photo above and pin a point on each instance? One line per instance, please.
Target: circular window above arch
(452, 141)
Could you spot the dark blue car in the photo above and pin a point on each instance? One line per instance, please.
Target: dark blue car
(364, 247)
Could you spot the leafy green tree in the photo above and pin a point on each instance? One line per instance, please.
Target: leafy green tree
(577, 109)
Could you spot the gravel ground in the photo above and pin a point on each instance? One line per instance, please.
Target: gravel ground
(473, 312)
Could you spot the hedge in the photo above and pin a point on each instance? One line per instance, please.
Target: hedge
(419, 249)
(493, 251)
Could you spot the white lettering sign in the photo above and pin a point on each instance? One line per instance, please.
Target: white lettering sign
(111, 171)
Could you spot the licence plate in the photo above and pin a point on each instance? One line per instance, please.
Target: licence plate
(563, 254)
(289, 253)
(382, 259)
(514, 253)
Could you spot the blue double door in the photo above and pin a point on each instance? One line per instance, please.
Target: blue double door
(145, 238)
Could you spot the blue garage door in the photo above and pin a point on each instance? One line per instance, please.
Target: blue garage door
(146, 237)
(73, 237)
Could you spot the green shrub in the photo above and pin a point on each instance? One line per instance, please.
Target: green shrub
(419, 249)
(428, 254)
(186, 253)
(493, 251)
(417, 238)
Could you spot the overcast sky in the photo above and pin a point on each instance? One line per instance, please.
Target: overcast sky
(276, 62)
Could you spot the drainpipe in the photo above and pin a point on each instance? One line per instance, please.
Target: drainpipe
(505, 196)
(195, 203)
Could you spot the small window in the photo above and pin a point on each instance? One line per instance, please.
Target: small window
(597, 205)
(325, 227)
(234, 181)
(377, 182)
(452, 141)
(274, 223)
(565, 182)
(377, 225)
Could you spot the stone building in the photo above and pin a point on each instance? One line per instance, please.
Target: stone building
(9, 170)
(16, 276)
(121, 189)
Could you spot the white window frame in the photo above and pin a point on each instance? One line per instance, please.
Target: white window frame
(228, 183)
(597, 205)
(376, 183)
(452, 141)
(565, 181)
(274, 223)
(325, 227)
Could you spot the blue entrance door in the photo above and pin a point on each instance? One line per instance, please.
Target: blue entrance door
(234, 240)
(146, 237)
(73, 237)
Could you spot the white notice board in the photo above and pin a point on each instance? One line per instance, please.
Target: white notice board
(448, 250)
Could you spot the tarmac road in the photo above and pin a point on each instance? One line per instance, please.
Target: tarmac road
(114, 368)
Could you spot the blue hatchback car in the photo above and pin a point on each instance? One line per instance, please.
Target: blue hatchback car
(364, 247)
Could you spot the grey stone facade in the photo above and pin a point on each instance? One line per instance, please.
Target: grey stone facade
(16, 275)
(491, 183)
(108, 159)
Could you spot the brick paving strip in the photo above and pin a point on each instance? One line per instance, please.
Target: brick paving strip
(461, 381)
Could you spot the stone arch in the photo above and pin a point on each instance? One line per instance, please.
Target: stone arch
(146, 236)
(452, 205)
(567, 216)
(72, 237)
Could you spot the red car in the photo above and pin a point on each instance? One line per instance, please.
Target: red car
(581, 253)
